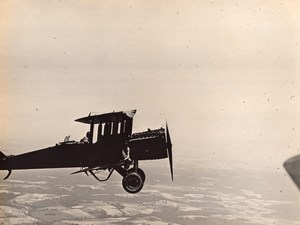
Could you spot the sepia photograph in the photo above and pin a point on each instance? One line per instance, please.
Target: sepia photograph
(149, 112)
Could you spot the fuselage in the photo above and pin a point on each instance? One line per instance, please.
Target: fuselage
(65, 155)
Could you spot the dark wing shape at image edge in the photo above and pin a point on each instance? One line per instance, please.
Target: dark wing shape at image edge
(292, 166)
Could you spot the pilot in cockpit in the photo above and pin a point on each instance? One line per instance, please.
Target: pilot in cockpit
(86, 139)
(126, 152)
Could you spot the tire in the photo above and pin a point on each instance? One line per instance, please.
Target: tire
(132, 182)
(140, 172)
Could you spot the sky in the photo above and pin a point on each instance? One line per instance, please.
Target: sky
(224, 74)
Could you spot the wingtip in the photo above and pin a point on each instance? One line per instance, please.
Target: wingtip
(2, 155)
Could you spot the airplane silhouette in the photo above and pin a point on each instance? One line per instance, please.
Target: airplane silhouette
(115, 148)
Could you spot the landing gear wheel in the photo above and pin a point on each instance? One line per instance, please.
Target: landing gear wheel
(132, 182)
(140, 172)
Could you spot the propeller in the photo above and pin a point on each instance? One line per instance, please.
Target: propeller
(169, 149)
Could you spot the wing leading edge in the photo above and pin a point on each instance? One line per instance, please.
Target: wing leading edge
(292, 166)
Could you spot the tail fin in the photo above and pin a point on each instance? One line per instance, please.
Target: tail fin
(2, 157)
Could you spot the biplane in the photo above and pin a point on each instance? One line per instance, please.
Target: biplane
(109, 145)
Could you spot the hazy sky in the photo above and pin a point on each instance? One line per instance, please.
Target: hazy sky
(224, 73)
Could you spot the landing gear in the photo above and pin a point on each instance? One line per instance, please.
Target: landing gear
(140, 172)
(133, 178)
(132, 182)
